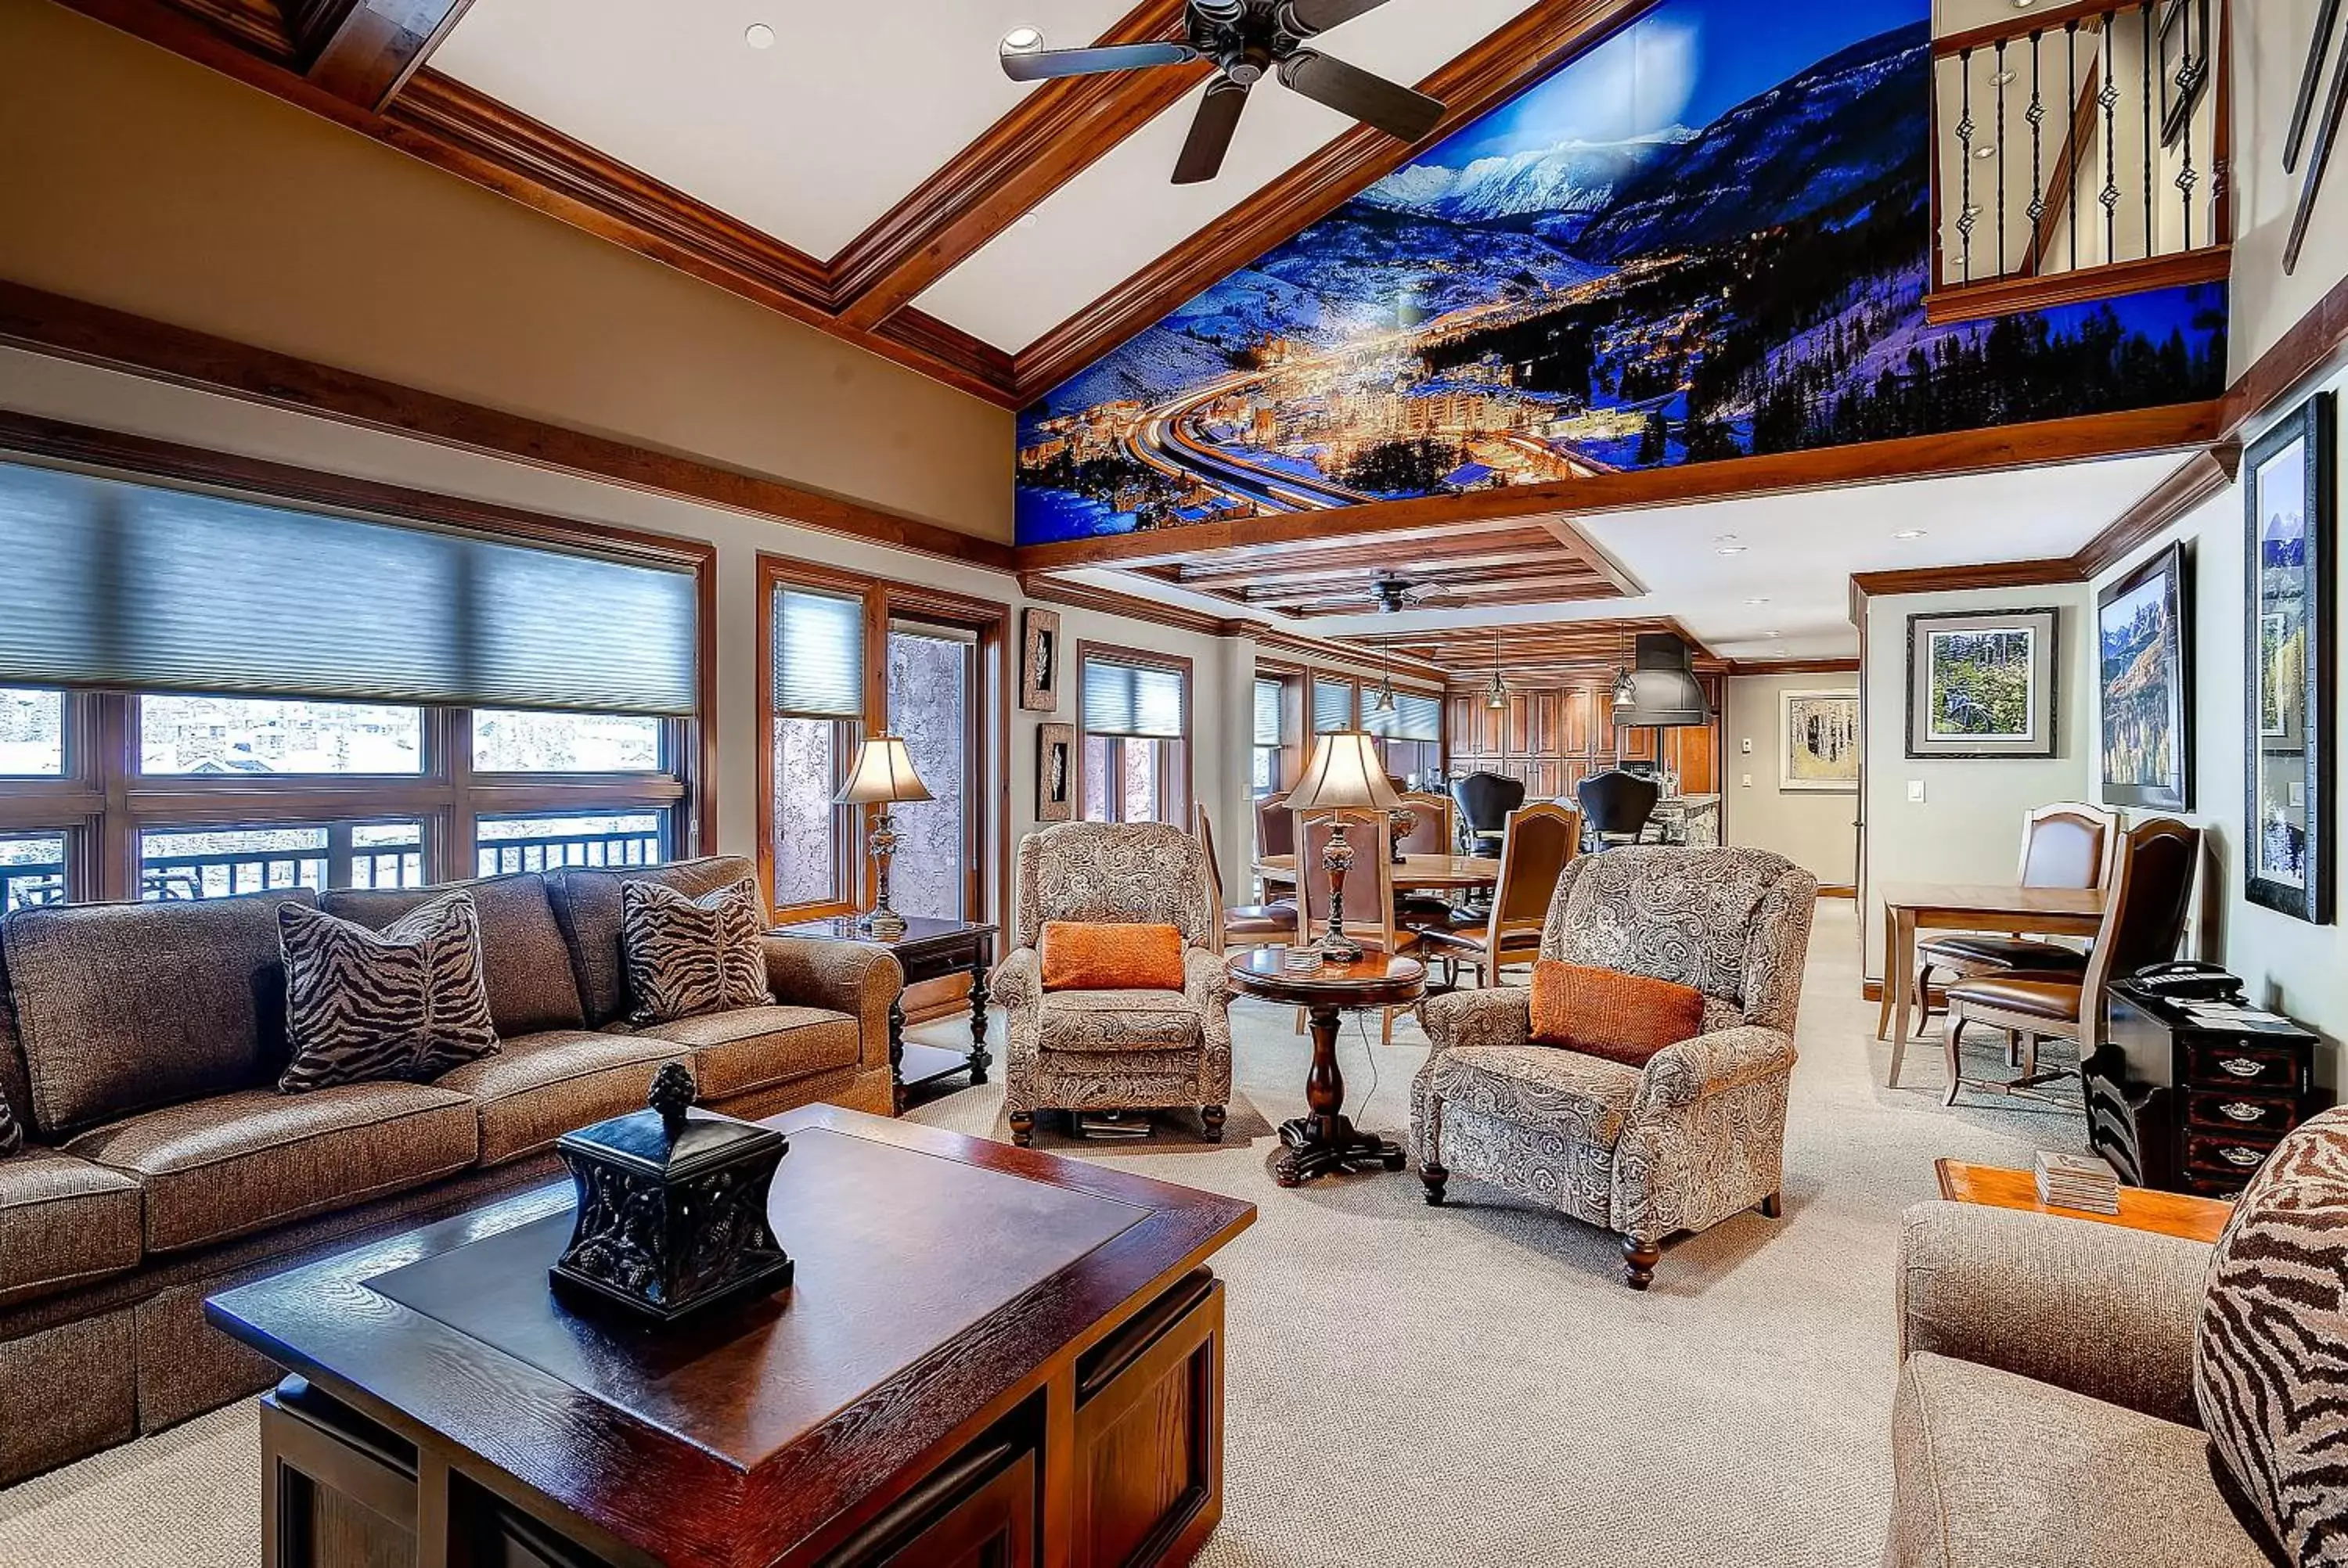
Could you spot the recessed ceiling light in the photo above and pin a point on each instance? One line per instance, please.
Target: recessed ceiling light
(1023, 40)
(758, 36)
(1772, 634)
(2023, 4)
(2005, 78)
(1730, 549)
(1024, 220)
(1986, 151)
(1908, 534)
(1756, 601)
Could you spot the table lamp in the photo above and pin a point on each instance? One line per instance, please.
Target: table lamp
(881, 776)
(1344, 775)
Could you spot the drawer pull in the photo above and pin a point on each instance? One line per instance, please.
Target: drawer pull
(2242, 1066)
(2243, 1110)
(2236, 1155)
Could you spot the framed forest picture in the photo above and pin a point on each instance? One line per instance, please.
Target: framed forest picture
(2144, 673)
(2288, 650)
(1819, 742)
(1981, 684)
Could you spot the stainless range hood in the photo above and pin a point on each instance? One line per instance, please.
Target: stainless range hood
(1666, 693)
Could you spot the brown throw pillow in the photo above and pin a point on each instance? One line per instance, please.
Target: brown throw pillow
(405, 1002)
(691, 956)
(2270, 1352)
(1604, 1012)
(1080, 957)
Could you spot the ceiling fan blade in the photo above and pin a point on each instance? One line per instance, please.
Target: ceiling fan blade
(1210, 133)
(1396, 110)
(1041, 65)
(1312, 17)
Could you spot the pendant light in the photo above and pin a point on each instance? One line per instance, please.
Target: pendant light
(1385, 698)
(1496, 695)
(1626, 691)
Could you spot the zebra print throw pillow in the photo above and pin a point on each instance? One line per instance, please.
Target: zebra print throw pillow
(691, 956)
(2271, 1353)
(407, 1002)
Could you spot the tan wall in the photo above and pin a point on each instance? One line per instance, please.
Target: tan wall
(1815, 830)
(137, 179)
(2269, 40)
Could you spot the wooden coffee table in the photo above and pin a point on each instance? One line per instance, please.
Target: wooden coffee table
(989, 1354)
(1327, 1140)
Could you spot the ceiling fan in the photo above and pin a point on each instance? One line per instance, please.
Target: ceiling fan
(1392, 595)
(1245, 39)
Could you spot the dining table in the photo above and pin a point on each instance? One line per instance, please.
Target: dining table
(1449, 872)
(2007, 909)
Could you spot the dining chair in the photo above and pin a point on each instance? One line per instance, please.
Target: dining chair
(1429, 832)
(1485, 800)
(2150, 890)
(1369, 888)
(1246, 925)
(2067, 845)
(1276, 824)
(1616, 806)
(1541, 841)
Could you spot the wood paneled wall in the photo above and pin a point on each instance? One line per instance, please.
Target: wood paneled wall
(1553, 739)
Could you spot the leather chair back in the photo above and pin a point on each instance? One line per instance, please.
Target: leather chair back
(1430, 830)
(2068, 845)
(1540, 839)
(2151, 897)
(1485, 801)
(1369, 881)
(1618, 804)
(1275, 825)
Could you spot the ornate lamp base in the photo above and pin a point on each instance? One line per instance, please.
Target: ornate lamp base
(884, 923)
(1338, 947)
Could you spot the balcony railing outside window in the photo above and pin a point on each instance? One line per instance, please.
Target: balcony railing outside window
(219, 863)
(2080, 151)
(539, 844)
(31, 870)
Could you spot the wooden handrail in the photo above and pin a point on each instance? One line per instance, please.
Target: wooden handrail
(2021, 24)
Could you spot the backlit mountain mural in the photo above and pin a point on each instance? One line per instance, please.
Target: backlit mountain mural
(1705, 238)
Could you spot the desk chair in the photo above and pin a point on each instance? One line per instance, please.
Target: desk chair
(2067, 845)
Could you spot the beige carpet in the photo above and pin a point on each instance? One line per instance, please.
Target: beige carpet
(1465, 1386)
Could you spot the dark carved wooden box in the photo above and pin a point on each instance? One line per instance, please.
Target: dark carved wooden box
(672, 1206)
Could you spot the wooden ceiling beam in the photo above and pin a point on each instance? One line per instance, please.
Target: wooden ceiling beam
(365, 51)
(1530, 47)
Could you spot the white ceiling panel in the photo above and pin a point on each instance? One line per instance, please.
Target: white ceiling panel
(1122, 214)
(1799, 552)
(809, 140)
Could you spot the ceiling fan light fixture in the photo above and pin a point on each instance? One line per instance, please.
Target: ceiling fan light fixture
(1023, 41)
(758, 36)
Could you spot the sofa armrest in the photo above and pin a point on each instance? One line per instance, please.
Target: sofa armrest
(1502, 1016)
(2099, 1309)
(862, 979)
(1679, 1075)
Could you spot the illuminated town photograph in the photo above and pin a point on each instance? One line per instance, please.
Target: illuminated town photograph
(1707, 237)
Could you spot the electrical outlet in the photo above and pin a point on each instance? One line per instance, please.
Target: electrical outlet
(1915, 791)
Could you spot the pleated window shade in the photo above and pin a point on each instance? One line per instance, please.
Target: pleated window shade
(819, 654)
(1267, 713)
(105, 582)
(1414, 718)
(1332, 706)
(1134, 701)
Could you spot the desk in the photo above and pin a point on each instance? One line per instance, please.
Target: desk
(1443, 871)
(967, 1319)
(2141, 1209)
(1913, 906)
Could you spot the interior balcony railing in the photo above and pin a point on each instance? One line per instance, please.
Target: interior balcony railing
(2080, 151)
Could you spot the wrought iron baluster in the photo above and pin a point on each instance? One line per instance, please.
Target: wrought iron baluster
(2151, 144)
(2036, 115)
(2188, 74)
(2071, 126)
(1999, 79)
(2109, 98)
(1965, 128)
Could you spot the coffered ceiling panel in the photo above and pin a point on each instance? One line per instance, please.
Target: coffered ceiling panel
(808, 141)
(1122, 213)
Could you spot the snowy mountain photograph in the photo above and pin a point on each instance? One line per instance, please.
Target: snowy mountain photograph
(1708, 237)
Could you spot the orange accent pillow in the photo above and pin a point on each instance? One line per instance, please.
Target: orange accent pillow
(1604, 1012)
(1080, 957)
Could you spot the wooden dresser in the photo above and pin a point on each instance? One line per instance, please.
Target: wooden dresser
(2190, 1107)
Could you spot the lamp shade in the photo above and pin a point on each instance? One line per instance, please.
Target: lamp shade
(883, 772)
(1345, 772)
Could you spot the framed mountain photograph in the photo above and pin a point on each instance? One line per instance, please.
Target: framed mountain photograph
(1819, 742)
(2144, 673)
(1981, 684)
(2289, 653)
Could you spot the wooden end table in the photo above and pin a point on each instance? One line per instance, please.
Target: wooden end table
(928, 950)
(1327, 1140)
(2141, 1208)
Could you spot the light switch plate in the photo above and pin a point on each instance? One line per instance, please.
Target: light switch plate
(1915, 791)
(1745, 746)
(1748, 781)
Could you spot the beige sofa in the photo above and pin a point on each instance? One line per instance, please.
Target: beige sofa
(139, 1048)
(2044, 1416)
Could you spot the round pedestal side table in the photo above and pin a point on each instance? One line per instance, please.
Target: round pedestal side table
(1327, 1140)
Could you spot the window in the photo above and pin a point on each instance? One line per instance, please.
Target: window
(1134, 713)
(1269, 698)
(31, 870)
(508, 742)
(933, 703)
(258, 735)
(506, 844)
(816, 654)
(1332, 706)
(259, 696)
(32, 733)
(1410, 737)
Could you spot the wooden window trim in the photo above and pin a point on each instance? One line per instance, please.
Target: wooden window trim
(1117, 653)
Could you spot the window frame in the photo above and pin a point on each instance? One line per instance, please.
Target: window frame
(1113, 791)
(889, 601)
(103, 801)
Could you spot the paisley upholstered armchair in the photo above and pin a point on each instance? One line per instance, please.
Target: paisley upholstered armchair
(1116, 1050)
(1695, 1135)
